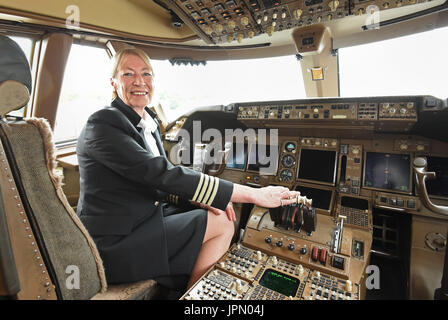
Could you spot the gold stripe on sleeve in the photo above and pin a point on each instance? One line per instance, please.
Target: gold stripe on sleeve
(204, 188)
(209, 190)
(199, 187)
(215, 191)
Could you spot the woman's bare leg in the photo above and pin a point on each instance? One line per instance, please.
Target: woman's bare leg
(218, 234)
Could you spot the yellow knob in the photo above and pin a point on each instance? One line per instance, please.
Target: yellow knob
(239, 37)
(333, 5)
(229, 38)
(330, 17)
(244, 21)
(231, 24)
(297, 13)
(218, 28)
(319, 19)
(360, 11)
(208, 30)
(270, 30)
(250, 34)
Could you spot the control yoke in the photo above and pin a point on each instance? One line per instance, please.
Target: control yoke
(421, 175)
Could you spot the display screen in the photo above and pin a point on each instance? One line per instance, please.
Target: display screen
(307, 41)
(439, 185)
(237, 159)
(321, 198)
(317, 165)
(280, 282)
(388, 171)
(260, 157)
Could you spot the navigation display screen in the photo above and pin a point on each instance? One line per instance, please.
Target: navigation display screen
(237, 159)
(321, 198)
(388, 171)
(317, 165)
(439, 185)
(280, 282)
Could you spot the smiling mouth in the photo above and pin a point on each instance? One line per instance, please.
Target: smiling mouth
(139, 93)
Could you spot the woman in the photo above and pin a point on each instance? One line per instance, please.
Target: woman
(124, 176)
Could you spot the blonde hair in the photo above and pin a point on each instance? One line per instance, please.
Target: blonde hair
(120, 55)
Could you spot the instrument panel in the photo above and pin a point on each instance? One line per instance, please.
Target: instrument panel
(350, 157)
(229, 21)
(272, 279)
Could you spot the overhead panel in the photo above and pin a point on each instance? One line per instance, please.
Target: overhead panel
(227, 21)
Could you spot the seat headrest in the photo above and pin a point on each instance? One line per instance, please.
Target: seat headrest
(15, 77)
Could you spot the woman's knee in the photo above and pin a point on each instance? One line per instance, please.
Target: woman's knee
(220, 225)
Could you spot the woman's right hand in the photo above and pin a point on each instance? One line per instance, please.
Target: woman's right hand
(274, 196)
(267, 197)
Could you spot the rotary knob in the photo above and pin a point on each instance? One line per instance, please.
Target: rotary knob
(231, 24)
(334, 4)
(279, 243)
(219, 28)
(348, 286)
(229, 38)
(240, 37)
(244, 21)
(297, 13)
(208, 30)
(291, 247)
(303, 251)
(268, 240)
(270, 30)
(283, 14)
(301, 269)
(420, 147)
(250, 34)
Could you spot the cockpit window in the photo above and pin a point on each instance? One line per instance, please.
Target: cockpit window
(85, 89)
(181, 88)
(411, 65)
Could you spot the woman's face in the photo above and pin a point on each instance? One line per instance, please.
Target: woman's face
(133, 82)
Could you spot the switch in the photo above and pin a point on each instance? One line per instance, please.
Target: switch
(315, 253)
(338, 262)
(411, 204)
(323, 256)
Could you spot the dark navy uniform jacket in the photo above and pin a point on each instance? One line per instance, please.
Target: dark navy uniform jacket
(121, 184)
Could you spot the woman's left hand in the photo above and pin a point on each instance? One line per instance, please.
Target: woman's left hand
(230, 212)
